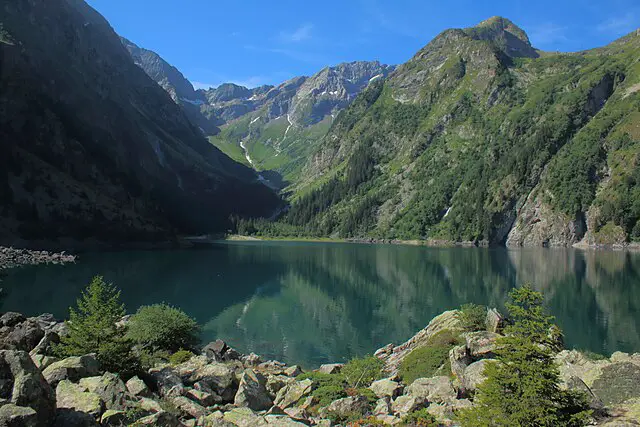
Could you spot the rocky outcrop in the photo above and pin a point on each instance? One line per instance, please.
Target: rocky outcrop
(11, 258)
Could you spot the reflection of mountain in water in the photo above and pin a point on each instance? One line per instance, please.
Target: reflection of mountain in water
(311, 303)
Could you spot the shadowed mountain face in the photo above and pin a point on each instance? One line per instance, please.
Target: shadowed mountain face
(93, 149)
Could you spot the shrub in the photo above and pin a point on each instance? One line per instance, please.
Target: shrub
(361, 372)
(92, 329)
(523, 389)
(180, 356)
(326, 387)
(426, 361)
(473, 317)
(162, 327)
(420, 418)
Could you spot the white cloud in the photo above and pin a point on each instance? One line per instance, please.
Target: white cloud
(302, 33)
(619, 25)
(547, 34)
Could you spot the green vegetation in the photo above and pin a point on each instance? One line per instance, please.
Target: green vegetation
(180, 356)
(430, 359)
(361, 372)
(92, 329)
(473, 317)
(420, 418)
(523, 388)
(160, 327)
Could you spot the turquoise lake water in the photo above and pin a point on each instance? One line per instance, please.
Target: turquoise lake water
(311, 303)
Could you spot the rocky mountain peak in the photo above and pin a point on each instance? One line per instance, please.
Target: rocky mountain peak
(505, 35)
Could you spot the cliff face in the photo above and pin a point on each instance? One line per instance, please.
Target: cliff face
(93, 149)
(482, 138)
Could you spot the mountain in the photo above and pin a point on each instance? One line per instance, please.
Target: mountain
(276, 128)
(174, 82)
(93, 150)
(480, 138)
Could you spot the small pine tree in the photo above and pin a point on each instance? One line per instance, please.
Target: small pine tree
(522, 388)
(92, 329)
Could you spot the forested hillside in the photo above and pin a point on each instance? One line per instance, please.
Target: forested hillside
(481, 138)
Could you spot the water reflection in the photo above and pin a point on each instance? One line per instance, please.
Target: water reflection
(312, 303)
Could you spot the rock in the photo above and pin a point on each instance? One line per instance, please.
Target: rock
(219, 351)
(251, 360)
(42, 362)
(388, 420)
(220, 377)
(252, 391)
(243, 417)
(138, 388)
(293, 371)
(386, 387)
(21, 336)
(495, 321)
(383, 406)
(188, 407)
(160, 419)
(112, 417)
(203, 398)
(443, 413)
(282, 421)
(71, 368)
(292, 393)
(308, 403)
(149, 405)
(73, 418)
(618, 383)
(459, 359)
(331, 368)
(216, 420)
(347, 407)
(275, 383)
(11, 319)
(384, 352)
(110, 388)
(433, 390)
(22, 384)
(474, 375)
(297, 413)
(481, 344)
(406, 404)
(45, 345)
(167, 382)
(73, 396)
(18, 416)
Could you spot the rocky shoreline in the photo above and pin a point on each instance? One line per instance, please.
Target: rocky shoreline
(11, 257)
(221, 387)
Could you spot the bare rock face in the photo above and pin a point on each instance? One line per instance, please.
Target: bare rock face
(252, 391)
(23, 386)
(71, 368)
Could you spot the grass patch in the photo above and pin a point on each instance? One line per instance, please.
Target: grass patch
(426, 361)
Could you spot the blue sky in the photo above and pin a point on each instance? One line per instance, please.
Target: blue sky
(254, 42)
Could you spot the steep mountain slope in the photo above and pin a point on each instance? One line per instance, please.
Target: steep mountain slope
(92, 149)
(481, 138)
(180, 89)
(276, 128)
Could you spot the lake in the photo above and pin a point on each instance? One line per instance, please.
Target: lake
(312, 303)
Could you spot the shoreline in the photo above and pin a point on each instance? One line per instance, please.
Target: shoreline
(13, 258)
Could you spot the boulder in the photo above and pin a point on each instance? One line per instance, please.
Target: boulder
(167, 382)
(251, 360)
(331, 368)
(72, 369)
(18, 416)
(243, 417)
(220, 377)
(293, 371)
(45, 345)
(75, 397)
(481, 344)
(149, 405)
(203, 398)
(272, 367)
(188, 407)
(282, 421)
(406, 404)
(72, 418)
(386, 387)
(112, 417)
(219, 351)
(138, 388)
(21, 336)
(110, 388)
(474, 375)
(275, 383)
(495, 321)
(347, 407)
(22, 384)
(459, 359)
(433, 390)
(618, 383)
(159, 419)
(297, 413)
(11, 319)
(252, 391)
(292, 393)
(383, 406)
(42, 362)
(216, 420)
